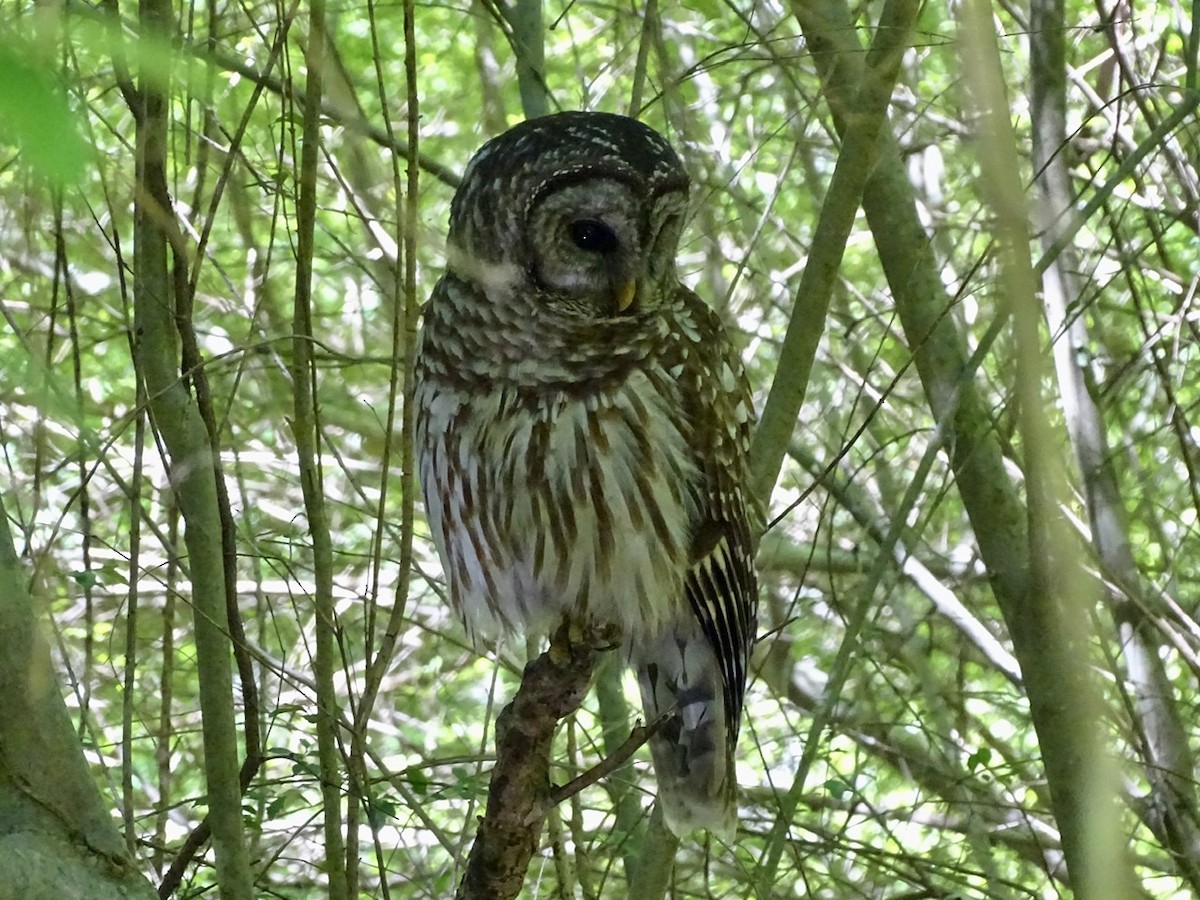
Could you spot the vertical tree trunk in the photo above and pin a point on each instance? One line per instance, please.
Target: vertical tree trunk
(1168, 764)
(1046, 636)
(57, 837)
(177, 417)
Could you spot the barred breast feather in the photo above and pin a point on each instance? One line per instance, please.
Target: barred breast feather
(614, 498)
(550, 503)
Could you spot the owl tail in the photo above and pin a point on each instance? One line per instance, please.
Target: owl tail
(693, 754)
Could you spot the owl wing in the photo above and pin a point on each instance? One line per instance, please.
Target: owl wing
(720, 585)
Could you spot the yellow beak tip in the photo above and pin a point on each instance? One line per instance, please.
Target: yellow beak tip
(625, 295)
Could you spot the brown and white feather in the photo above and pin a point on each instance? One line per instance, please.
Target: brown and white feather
(585, 460)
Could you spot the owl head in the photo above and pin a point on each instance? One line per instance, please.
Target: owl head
(579, 212)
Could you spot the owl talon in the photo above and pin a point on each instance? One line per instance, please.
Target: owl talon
(560, 646)
(576, 633)
(606, 637)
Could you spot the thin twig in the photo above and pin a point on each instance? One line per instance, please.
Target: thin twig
(637, 737)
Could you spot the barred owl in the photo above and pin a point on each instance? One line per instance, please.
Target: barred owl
(582, 432)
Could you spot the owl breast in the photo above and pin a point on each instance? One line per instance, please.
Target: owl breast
(545, 504)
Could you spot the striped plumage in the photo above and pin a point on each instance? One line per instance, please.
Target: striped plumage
(582, 431)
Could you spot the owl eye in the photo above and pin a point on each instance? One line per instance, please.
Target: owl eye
(592, 235)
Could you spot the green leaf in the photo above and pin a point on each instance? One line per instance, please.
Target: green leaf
(85, 578)
(837, 788)
(980, 759)
(466, 782)
(36, 118)
(380, 810)
(418, 780)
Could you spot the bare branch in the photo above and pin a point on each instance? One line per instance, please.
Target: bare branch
(552, 687)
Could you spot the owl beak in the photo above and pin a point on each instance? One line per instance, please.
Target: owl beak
(626, 294)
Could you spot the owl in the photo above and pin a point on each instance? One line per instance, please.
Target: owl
(582, 427)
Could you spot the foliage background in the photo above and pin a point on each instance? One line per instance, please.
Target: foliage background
(925, 778)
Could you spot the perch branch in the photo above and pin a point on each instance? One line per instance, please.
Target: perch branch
(519, 796)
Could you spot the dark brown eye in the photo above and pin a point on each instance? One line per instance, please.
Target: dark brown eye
(592, 235)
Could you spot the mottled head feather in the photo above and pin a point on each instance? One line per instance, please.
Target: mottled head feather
(510, 172)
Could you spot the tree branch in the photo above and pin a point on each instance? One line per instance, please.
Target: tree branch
(1167, 760)
(1052, 660)
(189, 451)
(860, 147)
(519, 795)
(613, 761)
